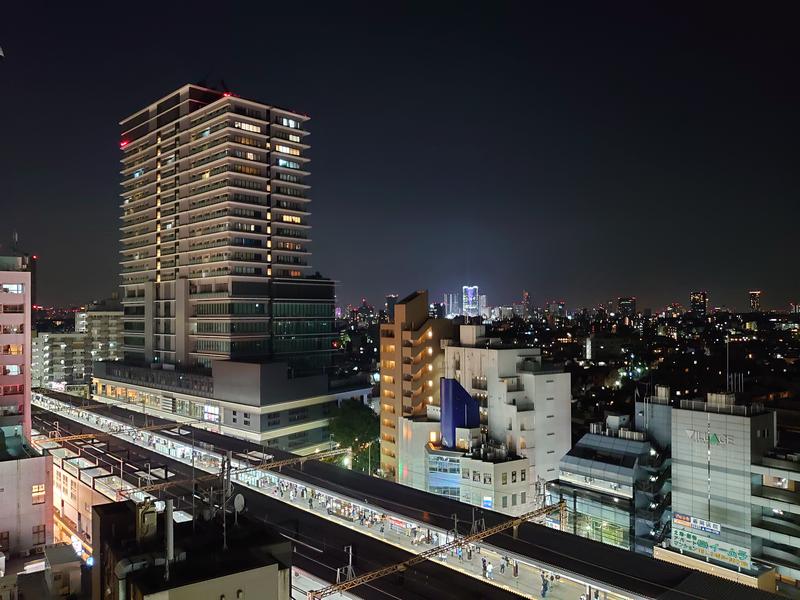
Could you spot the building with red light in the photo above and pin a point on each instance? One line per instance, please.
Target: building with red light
(15, 346)
(215, 235)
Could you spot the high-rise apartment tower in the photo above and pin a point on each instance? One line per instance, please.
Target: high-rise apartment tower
(215, 235)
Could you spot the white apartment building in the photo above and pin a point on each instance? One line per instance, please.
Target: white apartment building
(60, 358)
(102, 323)
(525, 404)
(483, 475)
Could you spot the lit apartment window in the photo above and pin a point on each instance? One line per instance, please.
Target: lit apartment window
(287, 150)
(11, 288)
(290, 123)
(289, 164)
(291, 219)
(37, 494)
(247, 126)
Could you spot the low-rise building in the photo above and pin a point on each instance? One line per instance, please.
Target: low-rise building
(84, 476)
(616, 480)
(259, 402)
(26, 499)
(446, 453)
(143, 555)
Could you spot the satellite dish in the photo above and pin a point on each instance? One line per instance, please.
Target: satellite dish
(238, 503)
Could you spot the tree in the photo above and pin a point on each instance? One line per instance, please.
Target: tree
(356, 425)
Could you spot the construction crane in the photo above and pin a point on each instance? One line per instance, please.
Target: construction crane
(514, 523)
(268, 466)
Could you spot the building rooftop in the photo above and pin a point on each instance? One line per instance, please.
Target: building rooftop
(199, 549)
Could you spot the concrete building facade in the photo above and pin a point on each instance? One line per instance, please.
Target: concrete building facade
(15, 350)
(102, 323)
(215, 235)
(259, 402)
(411, 365)
(525, 403)
(26, 502)
(60, 359)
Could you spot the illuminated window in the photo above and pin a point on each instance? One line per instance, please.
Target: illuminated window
(247, 126)
(290, 123)
(211, 413)
(287, 150)
(37, 494)
(291, 219)
(282, 162)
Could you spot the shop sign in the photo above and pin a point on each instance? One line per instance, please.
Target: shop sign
(712, 439)
(711, 548)
(694, 523)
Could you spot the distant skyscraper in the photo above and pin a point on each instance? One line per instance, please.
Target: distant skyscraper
(527, 305)
(391, 300)
(452, 304)
(755, 300)
(483, 308)
(698, 303)
(626, 307)
(437, 311)
(470, 301)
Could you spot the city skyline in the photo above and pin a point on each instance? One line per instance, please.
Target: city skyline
(579, 181)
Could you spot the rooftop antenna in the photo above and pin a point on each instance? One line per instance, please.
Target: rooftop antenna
(14, 240)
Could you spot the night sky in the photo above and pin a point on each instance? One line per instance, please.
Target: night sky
(581, 153)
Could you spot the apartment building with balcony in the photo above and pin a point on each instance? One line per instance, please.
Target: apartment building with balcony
(525, 403)
(60, 359)
(446, 452)
(102, 324)
(215, 255)
(15, 347)
(411, 365)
